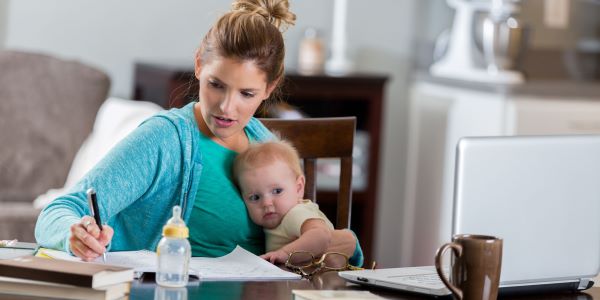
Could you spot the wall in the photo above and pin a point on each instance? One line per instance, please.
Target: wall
(3, 21)
(112, 34)
(386, 48)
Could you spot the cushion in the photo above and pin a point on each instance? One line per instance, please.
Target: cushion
(115, 120)
(47, 109)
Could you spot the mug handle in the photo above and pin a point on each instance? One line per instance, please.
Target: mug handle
(457, 250)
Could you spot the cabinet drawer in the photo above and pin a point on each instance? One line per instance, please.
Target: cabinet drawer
(533, 116)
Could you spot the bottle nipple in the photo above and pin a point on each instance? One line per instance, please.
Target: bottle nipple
(175, 226)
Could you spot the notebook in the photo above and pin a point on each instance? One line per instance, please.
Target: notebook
(541, 194)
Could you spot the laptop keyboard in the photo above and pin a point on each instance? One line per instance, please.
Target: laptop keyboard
(424, 280)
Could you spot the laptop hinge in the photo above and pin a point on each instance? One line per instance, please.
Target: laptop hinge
(583, 284)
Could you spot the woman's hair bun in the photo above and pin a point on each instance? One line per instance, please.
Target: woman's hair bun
(277, 12)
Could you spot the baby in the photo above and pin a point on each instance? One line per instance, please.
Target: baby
(271, 182)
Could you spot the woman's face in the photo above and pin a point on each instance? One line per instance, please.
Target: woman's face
(230, 92)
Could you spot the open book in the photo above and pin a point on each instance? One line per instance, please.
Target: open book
(238, 265)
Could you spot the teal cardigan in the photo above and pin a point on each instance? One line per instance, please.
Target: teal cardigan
(138, 182)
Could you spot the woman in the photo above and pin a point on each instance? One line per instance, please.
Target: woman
(183, 156)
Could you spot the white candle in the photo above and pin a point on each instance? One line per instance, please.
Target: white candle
(338, 64)
(339, 28)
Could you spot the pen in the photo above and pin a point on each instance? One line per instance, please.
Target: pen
(95, 212)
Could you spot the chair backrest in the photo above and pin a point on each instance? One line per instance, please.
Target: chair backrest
(322, 138)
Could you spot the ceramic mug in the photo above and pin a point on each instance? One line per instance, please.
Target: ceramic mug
(475, 266)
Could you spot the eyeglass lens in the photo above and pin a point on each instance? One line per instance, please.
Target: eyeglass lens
(301, 259)
(336, 261)
(329, 260)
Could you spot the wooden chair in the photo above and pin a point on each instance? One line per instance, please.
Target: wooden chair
(322, 138)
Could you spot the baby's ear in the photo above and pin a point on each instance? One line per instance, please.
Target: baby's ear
(300, 181)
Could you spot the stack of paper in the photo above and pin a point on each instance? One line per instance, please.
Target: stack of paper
(238, 265)
(13, 248)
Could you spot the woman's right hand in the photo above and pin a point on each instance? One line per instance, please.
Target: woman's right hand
(87, 241)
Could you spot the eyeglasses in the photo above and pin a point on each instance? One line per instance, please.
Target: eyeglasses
(306, 264)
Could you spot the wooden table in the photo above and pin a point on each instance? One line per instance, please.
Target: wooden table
(283, 290)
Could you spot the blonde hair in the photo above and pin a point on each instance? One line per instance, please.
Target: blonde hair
(252, 30)
(261, 154)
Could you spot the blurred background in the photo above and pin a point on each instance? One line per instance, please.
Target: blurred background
(516, 67)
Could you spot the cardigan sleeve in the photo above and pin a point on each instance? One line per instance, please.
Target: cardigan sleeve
(125, 174)
(258, 132)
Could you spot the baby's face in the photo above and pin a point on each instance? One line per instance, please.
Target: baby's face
(269, 192)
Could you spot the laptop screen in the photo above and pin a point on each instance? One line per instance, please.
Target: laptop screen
(541, 194)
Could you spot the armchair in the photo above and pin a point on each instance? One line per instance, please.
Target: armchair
(47, 109)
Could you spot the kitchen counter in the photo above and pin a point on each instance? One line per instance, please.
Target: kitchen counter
(547, 88)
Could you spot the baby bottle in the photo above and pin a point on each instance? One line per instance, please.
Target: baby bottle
(173, 252)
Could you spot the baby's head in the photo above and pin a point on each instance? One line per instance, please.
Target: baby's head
(270, 179)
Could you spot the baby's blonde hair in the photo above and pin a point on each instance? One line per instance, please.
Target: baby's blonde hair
(261, 154)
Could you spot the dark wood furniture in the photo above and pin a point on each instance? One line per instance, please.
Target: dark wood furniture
(319, 138)
(359, 95)
(283, 290)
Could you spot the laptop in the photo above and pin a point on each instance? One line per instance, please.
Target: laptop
(541, 194)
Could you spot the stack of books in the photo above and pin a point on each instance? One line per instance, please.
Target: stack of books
(37, 276)
(13, 248)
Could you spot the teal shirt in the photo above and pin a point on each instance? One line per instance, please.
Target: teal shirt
(216, 227)
(159, 165)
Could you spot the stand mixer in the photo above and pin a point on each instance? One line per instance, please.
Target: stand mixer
(501, 43)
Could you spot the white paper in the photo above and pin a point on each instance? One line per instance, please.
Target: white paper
(240, 264)
(142, 259)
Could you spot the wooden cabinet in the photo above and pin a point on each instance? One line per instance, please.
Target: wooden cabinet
(359, 95)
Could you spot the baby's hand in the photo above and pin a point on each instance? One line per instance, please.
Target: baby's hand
(276, 257)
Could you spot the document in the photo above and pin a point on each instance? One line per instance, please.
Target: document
(238, 265)
(141, 261)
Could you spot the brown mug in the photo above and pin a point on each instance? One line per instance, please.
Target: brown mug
(475, 266)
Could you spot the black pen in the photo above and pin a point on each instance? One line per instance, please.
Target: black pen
(95, 212)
